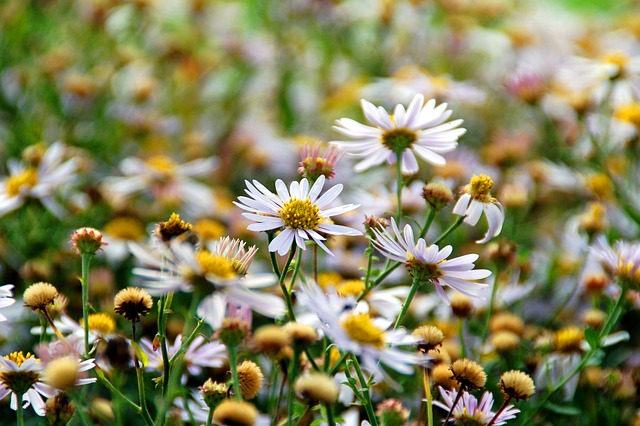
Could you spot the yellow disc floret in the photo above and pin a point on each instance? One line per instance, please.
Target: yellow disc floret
(101, 323)
(351, 288)
(125, 228)
(26, 179)
(629, 113)
(300, 214)
(162, 164)
(568, 340)
(480, 188)
(360, 327)
(216, 265)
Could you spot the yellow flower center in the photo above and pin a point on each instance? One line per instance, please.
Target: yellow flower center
(351, 288)
(329, 279)
(568, 340)
(600, 185)
(360, 328)
(629, 113)
(300, 214)
(616, 58)
(18, 357)
(19, 381)
(125, 228)
(398, 139)
(25, 179)
(480, 188)
(102, 323)
(209, 229)
(162, 164)
(216, 265)
(423, 271)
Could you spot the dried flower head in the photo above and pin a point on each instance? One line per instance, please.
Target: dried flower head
(39, 295)
(87, 241)
(468, 373)
(505, 341)
(437, 195)
(429, 338)
(516, 384)
(172, 228)
(301, 335)
(270, 339)
(213, 392)
(59, 409)
(441, 376)
(235, 413)
(250, 377)
(461, 305)
(317, 387)
(132, 303)
(506, 321)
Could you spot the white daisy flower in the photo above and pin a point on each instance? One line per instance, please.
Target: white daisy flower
(430, 264)
(21, 375)
(477, 199)
(370, 338)
(421, 129)
(6, 298)
(38, 179)
(299, 210)
(220, 268)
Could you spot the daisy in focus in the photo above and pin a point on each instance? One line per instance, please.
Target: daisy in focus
(38, 177)
(430, 263)
(476, 200)
(6, 298)
(370, 338)
(421, 129)
(20, 375)
(299, 210)
(469, 411)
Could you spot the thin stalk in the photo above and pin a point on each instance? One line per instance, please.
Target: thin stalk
(139, 375)
(186, 343)
(283, 287)
(504, 405)
(366, 393)
(379, 279)
(427, 391)
(275, 416)
(233, 363)
(485, 333)
(452, 228)
(272, 256)
(331, 421)
(335, 368)
(405, 308)
(86, 259)
(46, 316)
(20, 412)
(455, 402)
(210, 417)
(463, 346)
(115, 391)
(400, 183)
(293, 371)
(367, 276)
(430, 216)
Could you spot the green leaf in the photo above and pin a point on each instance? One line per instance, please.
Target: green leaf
(563, 409)
(144, 359)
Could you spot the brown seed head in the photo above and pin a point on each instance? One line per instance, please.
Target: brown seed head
(429, 338)
(172, 228)
(468, 373)
(132, 303)
(517, 385)
(270, 339)
(507, 321)
(251, 378)
(235, 413)
(59, 409)
(505, 341)
(301, 335)
(317, 387)
(437, 195)
(441, 376)
(461, 306)
(213, 392)
(39, 295)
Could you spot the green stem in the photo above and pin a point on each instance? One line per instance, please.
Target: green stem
(427, 224)
(272, 255)
(331, 421)
(427, 391)
(367, 276)
(283, 287)
(141, 395)
(20, 412)
(463, 346)
(379, 279)
(400, 183)
(233, 363)
(115, 391)
(293, 371)
(405, 308)
(210, 417)
(366, 393)
(455, 402)
(485, 333)
(452, 228)
(186, 343)
(86, 259)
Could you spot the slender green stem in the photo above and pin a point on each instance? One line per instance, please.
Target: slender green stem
(399, 185)
(331, 421)
(283, 287)
(86, 259)
(141, 395)
(366, 393)
(427, 391)
(463, 346)
(115, 391)
(210, 417)
(272, 255)
(293, 371)
(504, 405)
(485, 333)
(452, 228)
(455, 402)
(296, 271)
(367, 275)
(166, 365)
(233, 363)
(20, 412)
(405, 308)
(186, 343)
(379, 279)
(430, 216)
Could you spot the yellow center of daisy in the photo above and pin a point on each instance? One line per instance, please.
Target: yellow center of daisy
(25, 179)
(216, 265)
(600, 185)
(209, 229)
(351, 288)
(423, 272)
(398, 139)
(300, 214)
(101, 323)
(360, 328)
(19, 357)
(629, 113)
(628, 272)
(125, 228)
(162, 164)
(568, 340)
(329, 279)
(619, 59)
(480, 188)
(19, 381)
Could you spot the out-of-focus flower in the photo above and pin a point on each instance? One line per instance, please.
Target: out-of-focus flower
(37, 179)
(6, 298)
(359, 333)
(620, 261)
(477, 199)
(299, 210)
(66, 372)
(421, 128)
(469, 411)
(313, 165)
(430, 264)
(21, 374)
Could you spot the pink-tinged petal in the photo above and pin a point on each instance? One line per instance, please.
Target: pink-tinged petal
(409, 163)
(338, 230)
